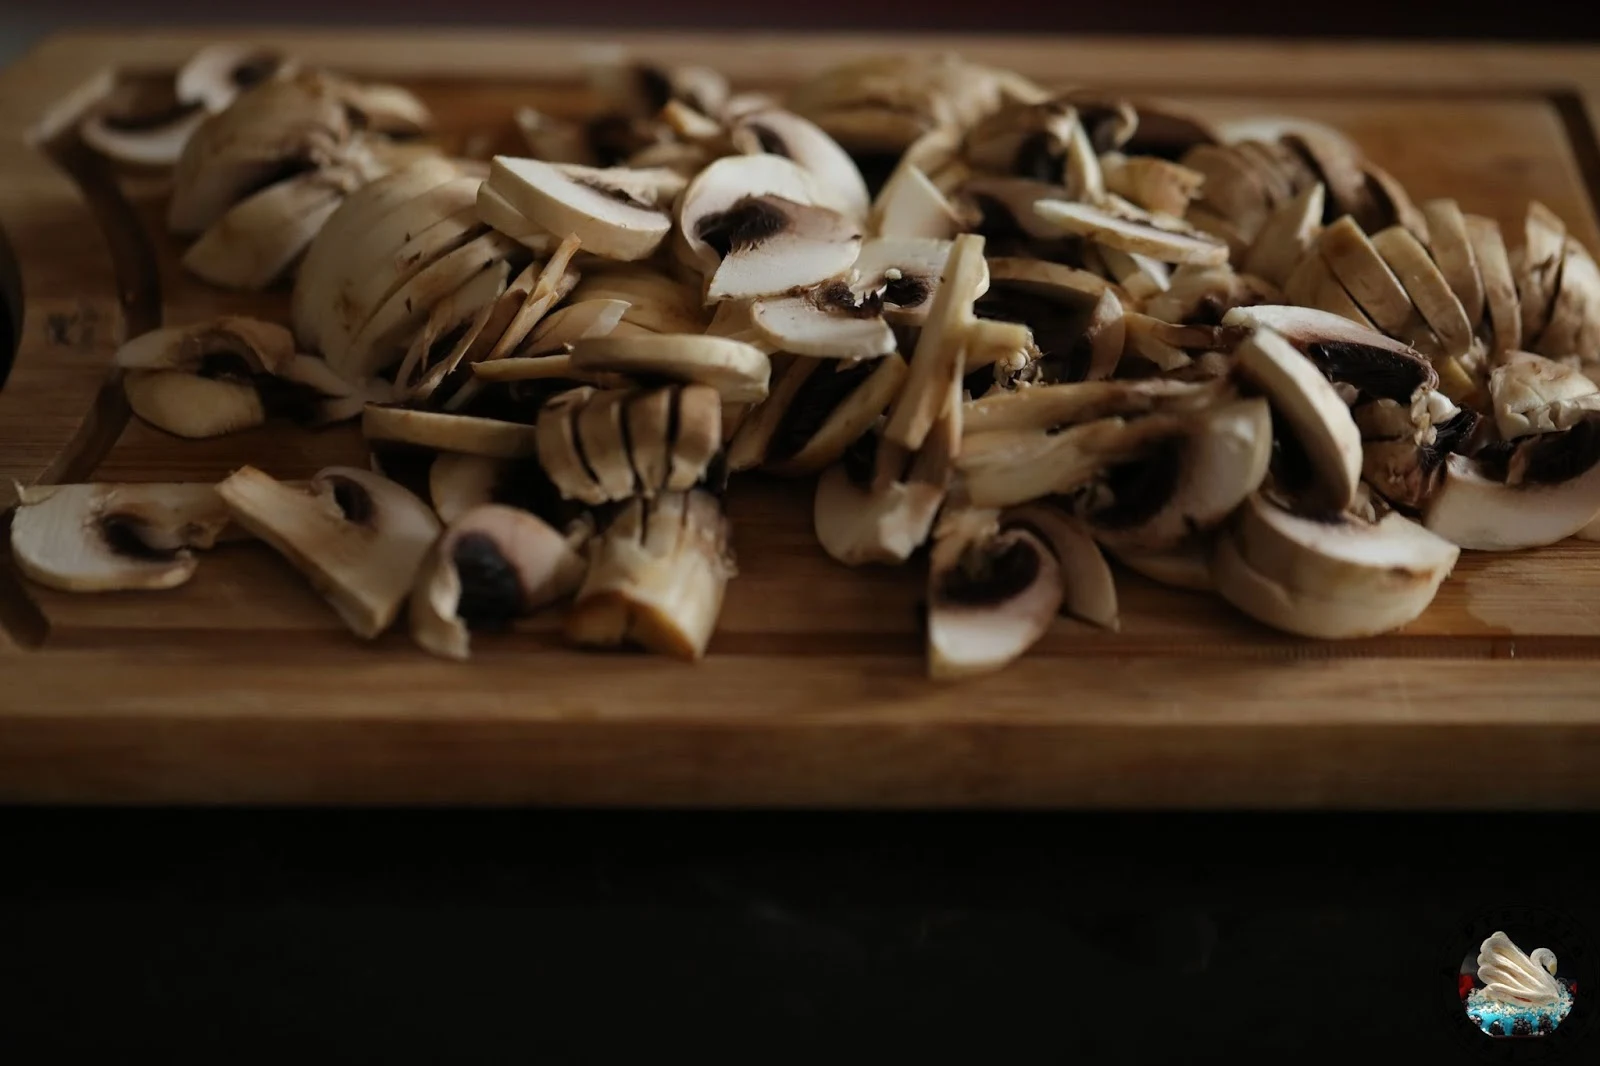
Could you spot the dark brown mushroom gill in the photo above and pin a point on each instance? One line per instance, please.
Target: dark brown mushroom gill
(491, 588)
(1060, 329)
(821, 394)
(989, 572)
(1377, 372)
(1555, 458)
(132, 537)
(746, 223)
(1129, 494)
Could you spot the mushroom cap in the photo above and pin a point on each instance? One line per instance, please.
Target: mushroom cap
(1532, 394)
(978, 624)
(610, 221)
(839, 183)
(101, 537)
(825, 322)
(727, 181)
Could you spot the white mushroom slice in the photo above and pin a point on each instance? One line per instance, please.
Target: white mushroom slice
(465, 434)
(215, 75)
(1574, 324)
(457, 483)
(1232, 189)
(1083, 177)
(1532, 394)
(1313, 412)
(738, 371)
(848, 422)
(1007, 467)
(1330, 580)
(1089, 592)
(726, 182)
(1311, 284)
(1500, 298)
(1289, 235)
(245, 344)
(492, 565)
(1361, 269)
(103, 537)
(358, 537)
(552, 282)
(1347, 353)
(499, 214)
(656, 577)
(312, 309)
(697, 437)
(560, 449)
(839, 183)
(862, 526)
(903, 272)
(1452, 249)
(384, 108)
(1188, 566)
(603, 443)
(990, 598)
(1204, 292)
(156, 141)
(1010, 203)
(825, 322)
(1427, 288)
(1139, 275)
(610, 221)
(1160, 186)
(911, 206)
(257, 240)
(1480, 512)
(1537, 268)
(655, 301)
(460, 315)
(579, 320)
(1157, 237)
(748, 447)
(771, 245)
(191, 406)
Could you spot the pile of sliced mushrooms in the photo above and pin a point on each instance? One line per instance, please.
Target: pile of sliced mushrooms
(1031, 331)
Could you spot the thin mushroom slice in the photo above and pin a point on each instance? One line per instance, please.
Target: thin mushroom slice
(603, 442)
(1426, 285)
(656, 577)
(101, 537)
(466, 434)
(258, 239)
(697, 438)
(580, 320)
(655, 301)
(500, 214)
(826, 322)
(1289, 234)
(1575, 315)
(738, 371)
(847, 422)
(1048, 407)
(215, 75)
(903, 274)
(1532, 394)
(1393, 205)
(1203, 294)
(703, 208)
(839, 182)
(191, 406)
(492, 565)
(1187, 567)
(1452, 249)
(1339, 163)
(235, 343)
(1166, 240)
(1232, 188)
(560, 448)
(1312, 284)
(771, 245)
(1537, 268)
(452, 323)
(651, 419)
(1157, 185)
(142, 129)
(1499, 284)
(608, 219)
(1361, 269)
(358, 537)
(1347, 353)
(1088, 590)
(991, 596)
(750, 443)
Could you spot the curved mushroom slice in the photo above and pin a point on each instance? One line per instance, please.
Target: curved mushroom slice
(358, 537)
(499, 214)
(705, 203)
(1137, 127)
(1157, 185)
(1188, 566)
(230, 343)
(103, 537)
(1289, 234)
(1023, 140)
(1166, 346)
(867, 389)
(458, 483)
(1311, 284)
(1313, 412)
(1186, 480)
(1231, 189)
(560, 448)
(1574, 326)
(260, 237)
(768, 245)
(1361, 269)
(383, 108)
(466, 434)
(860, 523)
(1532, 394)
(784, 133)
(1088, 590)
(579, 320)
(991, 595)
(191, 406)
(1340, 166)
(1392, 205)
(1201, 295)
(903, 274)
(1074, 320)
(1329, 579)
(655, 301)
(1500, 298)
(1548, 490)
(287, 123)
(1537, 268)
(215, 75)
(453, 323)
(1134, 231)
(1139, 276)
(141, 127)
(492, 565)
(738, 371)
(911, 206)
(1048, 407)
(610, 220)
(1452, 249)
(1425, 284)
(1009, 467)
(825, 322)
(656, 577)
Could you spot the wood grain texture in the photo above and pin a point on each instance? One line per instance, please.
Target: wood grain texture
(243, 686)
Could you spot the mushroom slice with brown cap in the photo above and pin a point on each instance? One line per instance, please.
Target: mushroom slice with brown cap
(827, 322)
(1348, 353)
(839, 184)
(1532, 394)
(1452, 249)
(1290, 233)
(1500, 297)
(1537, 268)
(1548, 489)
(1134, 231)
(1425, 284)
(656, 576)
(609, 220)
(499, 214)
(358, 537)
(868, 389)
(910, 205)
(1328, 578)
(466, 434)
(261, 236)
(1185, 481)
(705, 203)
(492, 565)
(738, 371)
(771, 245)
(1574, 325)
(1157, 185)
(992, 594)
(1313, 412)
(102, 537)
(1088, 590)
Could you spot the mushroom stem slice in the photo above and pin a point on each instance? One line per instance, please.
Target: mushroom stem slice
(938, 359)
(358, 537)
(656, 577)
(492, 565)
(101, 537)
(990, 599)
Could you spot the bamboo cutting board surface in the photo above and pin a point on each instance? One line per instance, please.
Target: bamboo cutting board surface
(243, 686)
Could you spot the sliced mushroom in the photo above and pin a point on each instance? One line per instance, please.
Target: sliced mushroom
(261, 236)
(1232, 189)
(1089, 592)
(610, 220)
(454, 323)
(1333, 578)
(656, 576)
(1048, 407)
(1499, 284)
(358, 537)
(769, 245)
(579, 320)
(1289, 234)
(1340, 166)
(738, 371)
(191, 406)
(101, 537)
(1167, 346)
(1574, 324)
(142, 125)
(1312, 412)
(492, 565)
(560, 448)
(1425, 284)
(1312, 284)
(1548, 490)
(827, 321)
(655, 301)
(1532, 394)
(1157, 185)
(1188, 566)
(861, 519)
(1452, 249)
(991, 595)
(500, 214)
(708, 199)
(1537, 268)
(603, 443)
(902, 273)
(215, 75)
(230, 343)
(1134, 231)
(838, 180)
(1074, 320)
(1361, 269)
(466, 434)
(1201, 295)
(1393, 206)
(796, 449)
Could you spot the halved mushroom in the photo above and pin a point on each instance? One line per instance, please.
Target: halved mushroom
(1547, 489)
(1289, 234)
(358, 537)
(991, 594)
(1332, 578)
(101, 537)
(1499, 285)
(1133, 230)
(1537, 268)
(1425, 284)
(492, 565)
(610, 220)
(1157, 185)
(1313, 413)
(656, 576)
(466, 434)
(1532, 394)
(736, 370)
(1088, 590)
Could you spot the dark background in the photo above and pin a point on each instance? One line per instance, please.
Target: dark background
(756, 938)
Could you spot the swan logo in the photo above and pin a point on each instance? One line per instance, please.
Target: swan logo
(1519, 984)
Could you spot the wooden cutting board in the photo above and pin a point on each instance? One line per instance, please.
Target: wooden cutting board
(243, 687)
